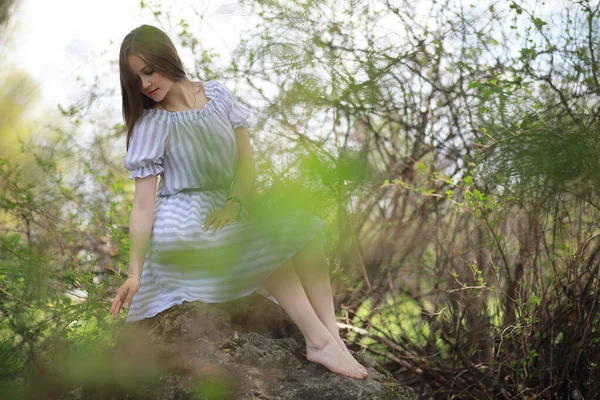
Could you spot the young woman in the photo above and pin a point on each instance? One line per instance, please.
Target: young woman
(194, 136)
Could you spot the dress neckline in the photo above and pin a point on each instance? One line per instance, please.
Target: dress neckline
(202, 88)
(186, 115)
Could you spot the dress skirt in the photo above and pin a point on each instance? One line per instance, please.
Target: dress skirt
(185, 263)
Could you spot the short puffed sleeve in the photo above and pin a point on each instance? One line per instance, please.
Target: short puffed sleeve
(146, 147)
(239, 115)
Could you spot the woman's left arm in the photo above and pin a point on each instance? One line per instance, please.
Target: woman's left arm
(243, 182)
(245, 170)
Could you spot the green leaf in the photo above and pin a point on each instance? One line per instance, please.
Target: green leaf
(539, 23)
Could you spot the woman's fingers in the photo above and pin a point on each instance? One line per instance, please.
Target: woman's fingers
(220, 224)
(116, 305)
(216, 221)
(129, 298)
(118, 301)
(117, 308)
(209, 221)
(224, 222)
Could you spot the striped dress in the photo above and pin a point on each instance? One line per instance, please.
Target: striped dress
(197, 149)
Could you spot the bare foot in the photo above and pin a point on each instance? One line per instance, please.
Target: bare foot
(340, 342)
(331, 356)
(336, 335)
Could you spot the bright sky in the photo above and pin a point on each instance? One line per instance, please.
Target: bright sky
(57, 41)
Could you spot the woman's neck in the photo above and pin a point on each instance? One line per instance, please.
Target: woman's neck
(182, 95)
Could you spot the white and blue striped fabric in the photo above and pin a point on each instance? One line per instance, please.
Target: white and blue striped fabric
(197, 149)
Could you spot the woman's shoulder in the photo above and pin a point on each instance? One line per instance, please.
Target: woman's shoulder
(149, 124)
(217, 88)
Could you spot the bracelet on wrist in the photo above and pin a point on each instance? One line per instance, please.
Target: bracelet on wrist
(134, 277)
(235, 200)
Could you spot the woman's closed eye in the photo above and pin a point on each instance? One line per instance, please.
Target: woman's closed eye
(147, 73)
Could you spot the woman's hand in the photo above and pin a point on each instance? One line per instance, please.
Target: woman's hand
(220, 218)
(124, 295)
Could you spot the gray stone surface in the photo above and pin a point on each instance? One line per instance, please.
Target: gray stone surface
(247, 350)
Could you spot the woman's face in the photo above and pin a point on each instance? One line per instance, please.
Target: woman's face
(152, 84)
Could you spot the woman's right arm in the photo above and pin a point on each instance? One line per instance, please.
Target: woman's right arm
(141, 221)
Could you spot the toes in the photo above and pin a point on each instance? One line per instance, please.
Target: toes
(361, 375)
(355, 374)
(358, 373)
(362, 370)
(358, 365)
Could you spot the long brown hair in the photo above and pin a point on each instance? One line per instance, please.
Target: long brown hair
(156, 49)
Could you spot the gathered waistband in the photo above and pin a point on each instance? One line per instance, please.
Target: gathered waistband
(202, 189)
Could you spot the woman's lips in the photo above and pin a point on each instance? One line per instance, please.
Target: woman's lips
(152, 92)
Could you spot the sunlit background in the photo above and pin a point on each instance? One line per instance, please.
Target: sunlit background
(61, 43)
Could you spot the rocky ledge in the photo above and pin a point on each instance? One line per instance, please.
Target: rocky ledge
(247, 349)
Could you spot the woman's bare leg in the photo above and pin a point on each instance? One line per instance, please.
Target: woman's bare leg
(311, 266)
(321, 346)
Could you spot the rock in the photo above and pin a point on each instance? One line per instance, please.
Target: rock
(247, 349)
(76, 295)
